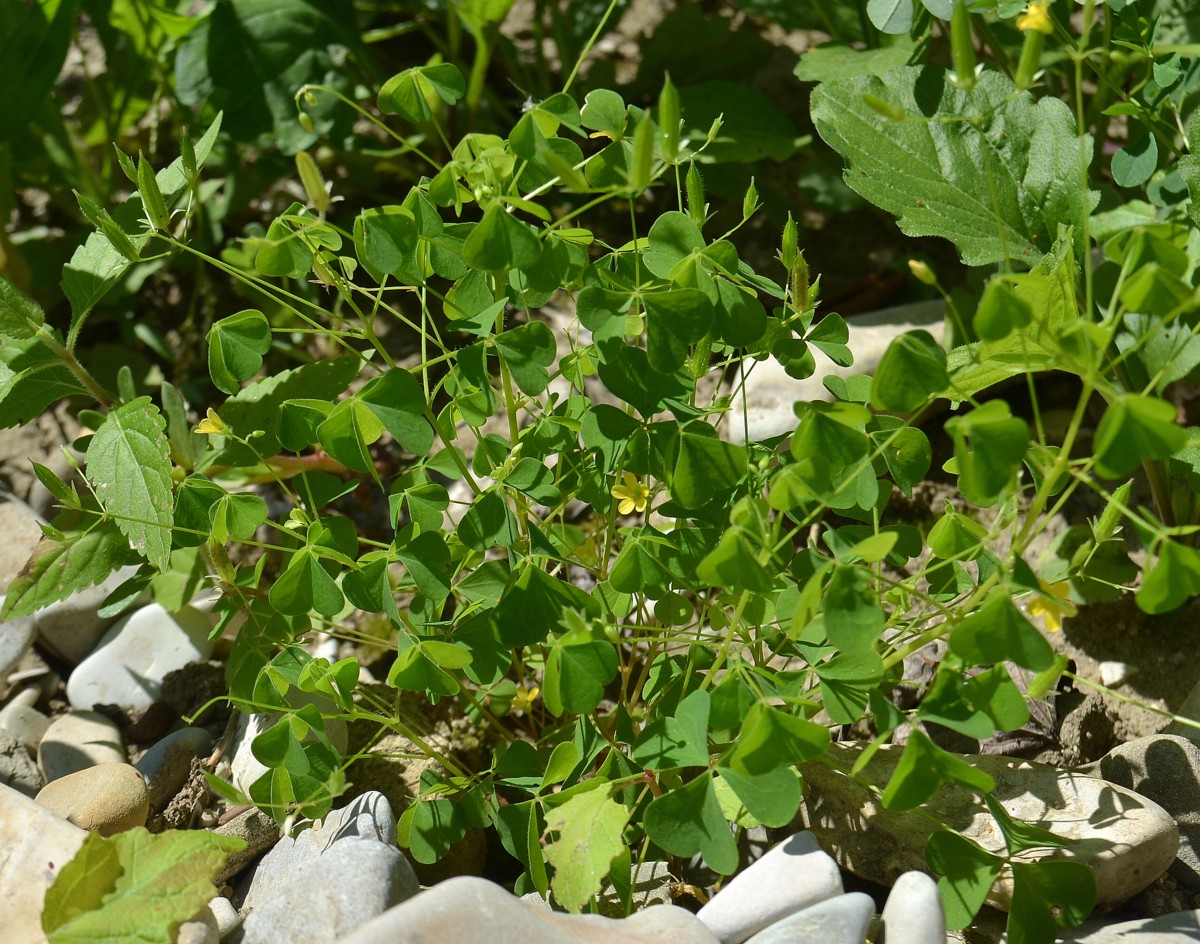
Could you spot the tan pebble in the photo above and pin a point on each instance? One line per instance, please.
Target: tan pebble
(107, 798)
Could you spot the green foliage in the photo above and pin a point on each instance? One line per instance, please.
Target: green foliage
(134, 886)
(521, 349)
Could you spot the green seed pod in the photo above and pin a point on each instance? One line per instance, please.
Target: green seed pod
(152, 198)
(1106, 526)
(889, 110)
(99, 218)
(127, 165)
(314, 185)
(697, 208)
(669, 120)
(643, 155)
(788, 248)
(187, 157)
(750, 201)
(962, 46)
(306, 122)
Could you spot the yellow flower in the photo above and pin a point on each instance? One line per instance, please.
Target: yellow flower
(1052, 604)
(632, 493)
(212, 425)
(1036, 17)
(524, 698)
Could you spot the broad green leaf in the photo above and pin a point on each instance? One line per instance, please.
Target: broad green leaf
(528, 350)
(921, 769)
(992, 169)
(906, 452)
(1048, 896)
(954, 536)
(688, 820)
(20, 315)
(500, 241)
(847, 681)
(305, 586)
(675, 319)
(489, 522)
(578, 668)
(830, 61)
(129, 465)
(284, 254)
(385, 241)
(637, 567)
(1001, 310)
(249, 57)
(532, 607)
(853, 616)
(427, 558)
(1171, 581)
(734, 565)
(414, 671)
(772, 798)
(772, 738)
(34, 39)
(752, 126)
(235, 348)
(410, 93)
(998, 632)
(134, 887)
(534, 478)
(299, 421)
(680, 741)
(32, 378)
(603, 112)
(989, 444)
(1135, 162)
(626, 372)
(891, 16)
(912, 371)
(704, 465)
(590, 827)
(948, 704)
(348, 433)
(397, 401)
(1135, 429)
(739, 317)
(236, 516)
(833, 459)
(304, 769)
(967, 873)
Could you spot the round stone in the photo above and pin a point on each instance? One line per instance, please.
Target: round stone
(108, 798)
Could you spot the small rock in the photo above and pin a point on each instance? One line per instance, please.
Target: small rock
(766, 393)
(129, 664)
(20, 532)
(34, 846)
(17, 769)
(1126, 848)
(1113, 674)
(913, 913)
(71, 628)
(342, 888)
(201, 929)
(224, 914)
(107, 798)
(472, 909)
(1166, 769)
(16, 637)
(1182, 927)
(25, 723)
(368, 818)
(76, 741)
(167, 764)
(792, 876)
(840, 920)
(259, 831)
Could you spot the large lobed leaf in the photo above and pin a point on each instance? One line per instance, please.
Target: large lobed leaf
(129, 464)
(991, 170)
(135, 888)
(590, 829)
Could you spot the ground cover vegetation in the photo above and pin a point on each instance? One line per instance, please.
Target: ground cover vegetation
(327, 241)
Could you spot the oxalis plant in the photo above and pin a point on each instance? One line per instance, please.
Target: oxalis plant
(653, 617)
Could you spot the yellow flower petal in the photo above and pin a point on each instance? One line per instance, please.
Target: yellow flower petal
(212, 425)
(1036, 17)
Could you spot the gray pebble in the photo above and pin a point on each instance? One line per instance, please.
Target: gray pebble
(841, 920)
(790, 877)
(16, 638)
(347, 885)
(25, 723)
(17, 769)
(1182, 927)
(167, 764)
(913, 913)
(468, 909)
(76, 741)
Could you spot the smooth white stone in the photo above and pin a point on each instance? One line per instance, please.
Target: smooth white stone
(840, 920)
(34, 845)
(1182, 927)
(71, 628)
(913, 912)
(25, 723)
(1113, 674)
(136, 654)
(76, 741)
(792, 876)
(246, 768)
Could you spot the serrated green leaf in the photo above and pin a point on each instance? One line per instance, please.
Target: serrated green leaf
(235, 348)
(991, 169)
(129, 465)
(135, 888)
(20, 315)
(590, 829)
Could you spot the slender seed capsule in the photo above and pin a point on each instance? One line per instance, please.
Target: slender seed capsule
(697, 209)
(668, 120)
(962, 46)
(100, 218)
(750, 201)
(152, 198)
(789, 246)
(643, 154)
(314, 186)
